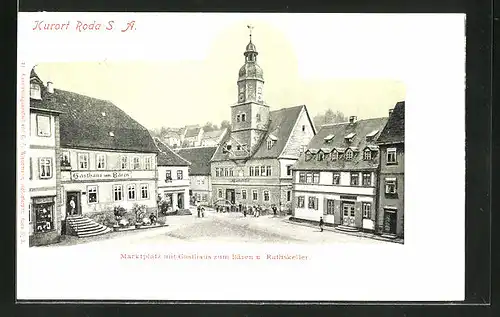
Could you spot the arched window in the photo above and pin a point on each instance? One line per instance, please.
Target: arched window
(348, 154)
(243, 117)
(367, 155)
(335, 155)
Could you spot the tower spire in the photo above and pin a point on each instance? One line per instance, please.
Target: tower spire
(250, 27)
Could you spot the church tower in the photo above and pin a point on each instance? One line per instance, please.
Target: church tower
(250, 115)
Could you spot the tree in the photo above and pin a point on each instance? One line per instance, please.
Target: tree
(225, 124)
(328, 117)
(209, 126)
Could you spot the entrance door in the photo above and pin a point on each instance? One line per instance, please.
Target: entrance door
(348, 215)
(180, 200)
(231, 195)
(389, 221)
(73, 203)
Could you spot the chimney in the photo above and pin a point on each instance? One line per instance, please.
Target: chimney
(50, 87)
(390, 112)
(353, 119)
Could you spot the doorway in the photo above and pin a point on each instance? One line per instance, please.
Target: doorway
(390, 221)
(231, 195)
(73, 204)
(180, 200)
(348, 214)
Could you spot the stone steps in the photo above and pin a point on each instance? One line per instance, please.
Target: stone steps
(86, 227)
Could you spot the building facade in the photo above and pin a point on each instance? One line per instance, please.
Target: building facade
(252, 165)
(337, 176)
(173, 178)
(44, 168)
(213, 138)
(391, 183)
(199, 172)
(192, 136)
(107, 159)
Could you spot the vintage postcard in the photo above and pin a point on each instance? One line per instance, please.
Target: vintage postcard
(250, 157)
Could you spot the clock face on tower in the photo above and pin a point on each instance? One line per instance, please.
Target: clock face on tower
(241, 97)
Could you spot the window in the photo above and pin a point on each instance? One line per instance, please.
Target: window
(92, 194)
(219, 192)
(226, 171)
(243, 117)
(354, 179)
(100, 161)
(131, 192)
(255, 195)
(42, 125)
(65, 159)
(231, 172)
(391, 156)
(270, 144)
(266, 195)
(124, 163)
(348, 154)
(205, 197)
(83, 161)
(300, 201)
(330, 207)
(302, 177)
(367, 210)
(45, 167)
(243, 194)
(179, 174)
(251, 173)
(262, 171)
(117, 192)
(35, 91)
(390, 186)
(316, 178)
(367, 179)
(268, 170)
(237, 118)
(168, 176)
(313, 203)
(289, 170)
(147, 163)
(44, 217)
(288, 195)
(257, 171)
(335, 155)
(217, 172)
(367, 155)
(257, 117)
(238, 147)
(309, 178)
(320, 156)
(136, 163)
(303, 128)
(144, 191)
(336, 178)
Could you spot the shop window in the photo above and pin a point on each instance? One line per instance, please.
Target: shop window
(354, 179)
(336, 178)
(313, 203)
(43, 125)
(391, 156)
(45, 167)
(390, 186)
(83, 161)
(101, 161)
(117, 192)
(44, 221)
(124, 163)
(131, 192)
(136, 163)
(147, 163)
(168, 176)
(92, 194)
(255, 195)
(367, 210)
(266, 195)
(144, 191)
(300, 201)
(367, 179)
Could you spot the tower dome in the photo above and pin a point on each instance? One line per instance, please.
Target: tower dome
(250, 71)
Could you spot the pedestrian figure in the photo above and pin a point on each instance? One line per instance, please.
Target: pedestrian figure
(275, 210)
(199, 211)
(321, 223)
(244, 211)
(203, 212)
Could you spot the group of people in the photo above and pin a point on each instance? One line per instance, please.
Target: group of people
(254, 210)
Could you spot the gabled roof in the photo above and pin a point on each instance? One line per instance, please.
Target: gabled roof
(394, 131)
(199, 157)
(361, 128)
(167, 157)
(281, 125)
(192, 132)
(87, 122)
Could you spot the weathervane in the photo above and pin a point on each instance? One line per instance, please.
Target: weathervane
(250, 27)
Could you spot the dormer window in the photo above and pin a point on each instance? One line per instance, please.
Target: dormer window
(320, 156)
(270, 144)
(349, 137)
(329, 138)
(243, 117)
(348, 154)
(371, 135)
(35, 91)
(309, 156)
(367, 155)
(335, 155)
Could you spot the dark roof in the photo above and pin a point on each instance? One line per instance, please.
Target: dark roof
(394, 131)
(167, 157)
(358, 143)
(281, 126)
(88, 122)
(216, 134)
(192, 132)
(199, 158)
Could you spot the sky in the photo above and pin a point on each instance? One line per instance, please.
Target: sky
(339, 63)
